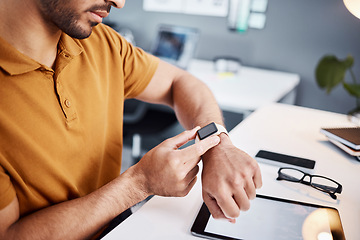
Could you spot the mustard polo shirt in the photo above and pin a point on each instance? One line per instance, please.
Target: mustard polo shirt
(61, 130)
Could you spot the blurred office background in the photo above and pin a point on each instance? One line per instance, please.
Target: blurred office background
(297, 34)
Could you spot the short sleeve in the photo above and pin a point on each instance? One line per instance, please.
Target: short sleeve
(7, 191)
(136, 66)
(139, 68)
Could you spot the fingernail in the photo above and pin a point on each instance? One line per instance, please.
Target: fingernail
(232, 220)
(216, 139)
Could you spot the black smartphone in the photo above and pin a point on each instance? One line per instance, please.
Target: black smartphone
(279, 158)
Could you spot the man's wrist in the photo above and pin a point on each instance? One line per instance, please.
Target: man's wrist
(139, 181)
(218, 153)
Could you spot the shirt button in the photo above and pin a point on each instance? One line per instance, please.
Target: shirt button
(67, 103)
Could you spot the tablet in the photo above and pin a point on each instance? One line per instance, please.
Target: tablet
(273, 218)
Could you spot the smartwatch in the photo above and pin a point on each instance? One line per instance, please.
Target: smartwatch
(209, 130)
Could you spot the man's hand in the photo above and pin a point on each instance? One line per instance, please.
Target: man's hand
(230, 178)
(170, 171)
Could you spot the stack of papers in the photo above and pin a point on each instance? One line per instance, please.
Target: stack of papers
(348, 139)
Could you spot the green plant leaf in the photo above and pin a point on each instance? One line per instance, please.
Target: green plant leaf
(330, 71)
(348, 62)
(353, 89)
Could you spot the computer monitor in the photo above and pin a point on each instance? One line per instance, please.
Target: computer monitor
(175, 44)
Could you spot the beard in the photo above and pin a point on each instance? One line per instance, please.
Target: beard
(67, 19)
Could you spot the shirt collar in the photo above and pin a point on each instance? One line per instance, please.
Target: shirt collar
(14, 62)
(69, 46)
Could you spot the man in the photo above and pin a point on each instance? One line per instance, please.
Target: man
(63, 79)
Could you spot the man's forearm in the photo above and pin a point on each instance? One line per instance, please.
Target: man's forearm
(194, 103)
(192, 100)
(79, 218)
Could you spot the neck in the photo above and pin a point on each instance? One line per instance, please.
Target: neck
(24, 28)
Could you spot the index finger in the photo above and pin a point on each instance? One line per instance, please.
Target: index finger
(182, 138)
(194, 152)
(257, 178)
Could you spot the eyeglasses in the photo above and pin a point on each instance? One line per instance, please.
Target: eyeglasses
(321, 183)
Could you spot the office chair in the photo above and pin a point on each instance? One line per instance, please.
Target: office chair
(145, 125)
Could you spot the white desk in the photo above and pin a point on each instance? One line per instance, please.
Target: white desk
(249, 89)
(277, 127)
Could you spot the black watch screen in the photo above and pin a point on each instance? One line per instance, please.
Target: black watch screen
(207, 131)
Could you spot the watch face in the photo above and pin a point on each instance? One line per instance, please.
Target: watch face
(207, 131)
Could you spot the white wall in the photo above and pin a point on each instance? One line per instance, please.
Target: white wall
(297, 34)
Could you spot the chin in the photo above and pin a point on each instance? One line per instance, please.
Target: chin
(79, 32)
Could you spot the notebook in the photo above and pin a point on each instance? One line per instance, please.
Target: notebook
(352, 152)
(349, 136)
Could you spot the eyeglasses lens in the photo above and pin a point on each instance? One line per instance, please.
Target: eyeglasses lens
(291, 174)
(324, 184)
